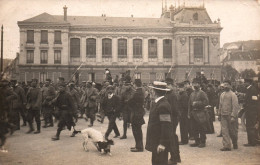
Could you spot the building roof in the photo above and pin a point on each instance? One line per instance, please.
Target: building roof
(252, 55)
(100, 21)
(247, 45)
(186, 14)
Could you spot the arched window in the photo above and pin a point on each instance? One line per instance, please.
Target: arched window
(137, 48)
(122, 48)
(91, 47)
(167, 48)
(152, 48)
(106, 48)
(195, 16)
(198, 48)
(74, 47)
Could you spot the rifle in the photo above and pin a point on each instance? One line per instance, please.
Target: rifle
(169, 71)
(189, 72)
(134, 72)
(75, 72)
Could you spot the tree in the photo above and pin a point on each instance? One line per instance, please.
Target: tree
(248, 73)
(229, 73)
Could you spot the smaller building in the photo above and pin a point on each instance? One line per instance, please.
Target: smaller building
(242, 60)
(11, 71)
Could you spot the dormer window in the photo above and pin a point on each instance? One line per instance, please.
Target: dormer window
(195, 16)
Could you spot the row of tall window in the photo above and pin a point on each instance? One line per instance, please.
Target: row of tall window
(43, 57)
(44, 36)
(121, 46)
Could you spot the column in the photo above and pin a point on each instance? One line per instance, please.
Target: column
(160, 51)
(51, 44)
(99, 50)
(130, 50)
(206, 52)
(191, 57)
(37, 52)
(65, 52)
(174, 56)
(114, 50)
(23, 51)
(145, 50)
(83, 53)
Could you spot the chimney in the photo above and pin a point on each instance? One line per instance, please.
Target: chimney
(65, 13)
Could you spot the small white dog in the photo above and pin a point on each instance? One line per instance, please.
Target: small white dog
(98, 140)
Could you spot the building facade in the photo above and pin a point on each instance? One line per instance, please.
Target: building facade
(180, 43)
(242, 60)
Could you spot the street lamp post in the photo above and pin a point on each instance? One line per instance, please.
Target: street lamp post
(2, 58)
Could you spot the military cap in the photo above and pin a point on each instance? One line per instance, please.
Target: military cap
(181, 85)
(13, 81)
(169, 80)
(248, 80)
(138, 82)
(110, 87)
(61, 79)
(63, 84)
(35, 80)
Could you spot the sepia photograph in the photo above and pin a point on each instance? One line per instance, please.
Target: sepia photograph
(133, 82)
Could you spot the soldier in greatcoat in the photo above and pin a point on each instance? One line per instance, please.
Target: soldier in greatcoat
(127, 92)
(183, 108)
(197, 102)
(34, 99)
(90, 103)
(67, 110)
(6, 98)
(175, 115)
(160, 137)
(137, 116)
(251, 106)
(18, 105)
(49, 94)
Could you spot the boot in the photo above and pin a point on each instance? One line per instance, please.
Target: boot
(57, 136)
(31, 128)
(38, 128)
(123, 137)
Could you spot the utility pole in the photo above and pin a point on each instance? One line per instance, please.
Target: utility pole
(2, 58)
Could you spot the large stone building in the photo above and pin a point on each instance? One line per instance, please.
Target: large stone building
(181, 42)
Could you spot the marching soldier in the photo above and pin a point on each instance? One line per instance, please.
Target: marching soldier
(126, 95)
(18, 105)
(183, 108)
(90, 103)
(34, 98)
(74, 94)
(67, 110)
(251, 106)
(47, 108)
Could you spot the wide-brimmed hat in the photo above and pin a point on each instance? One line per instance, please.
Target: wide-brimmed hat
(158, 85)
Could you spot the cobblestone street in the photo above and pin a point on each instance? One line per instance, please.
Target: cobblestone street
(38, 149)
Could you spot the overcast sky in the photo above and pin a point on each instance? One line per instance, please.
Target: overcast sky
(240, 19)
